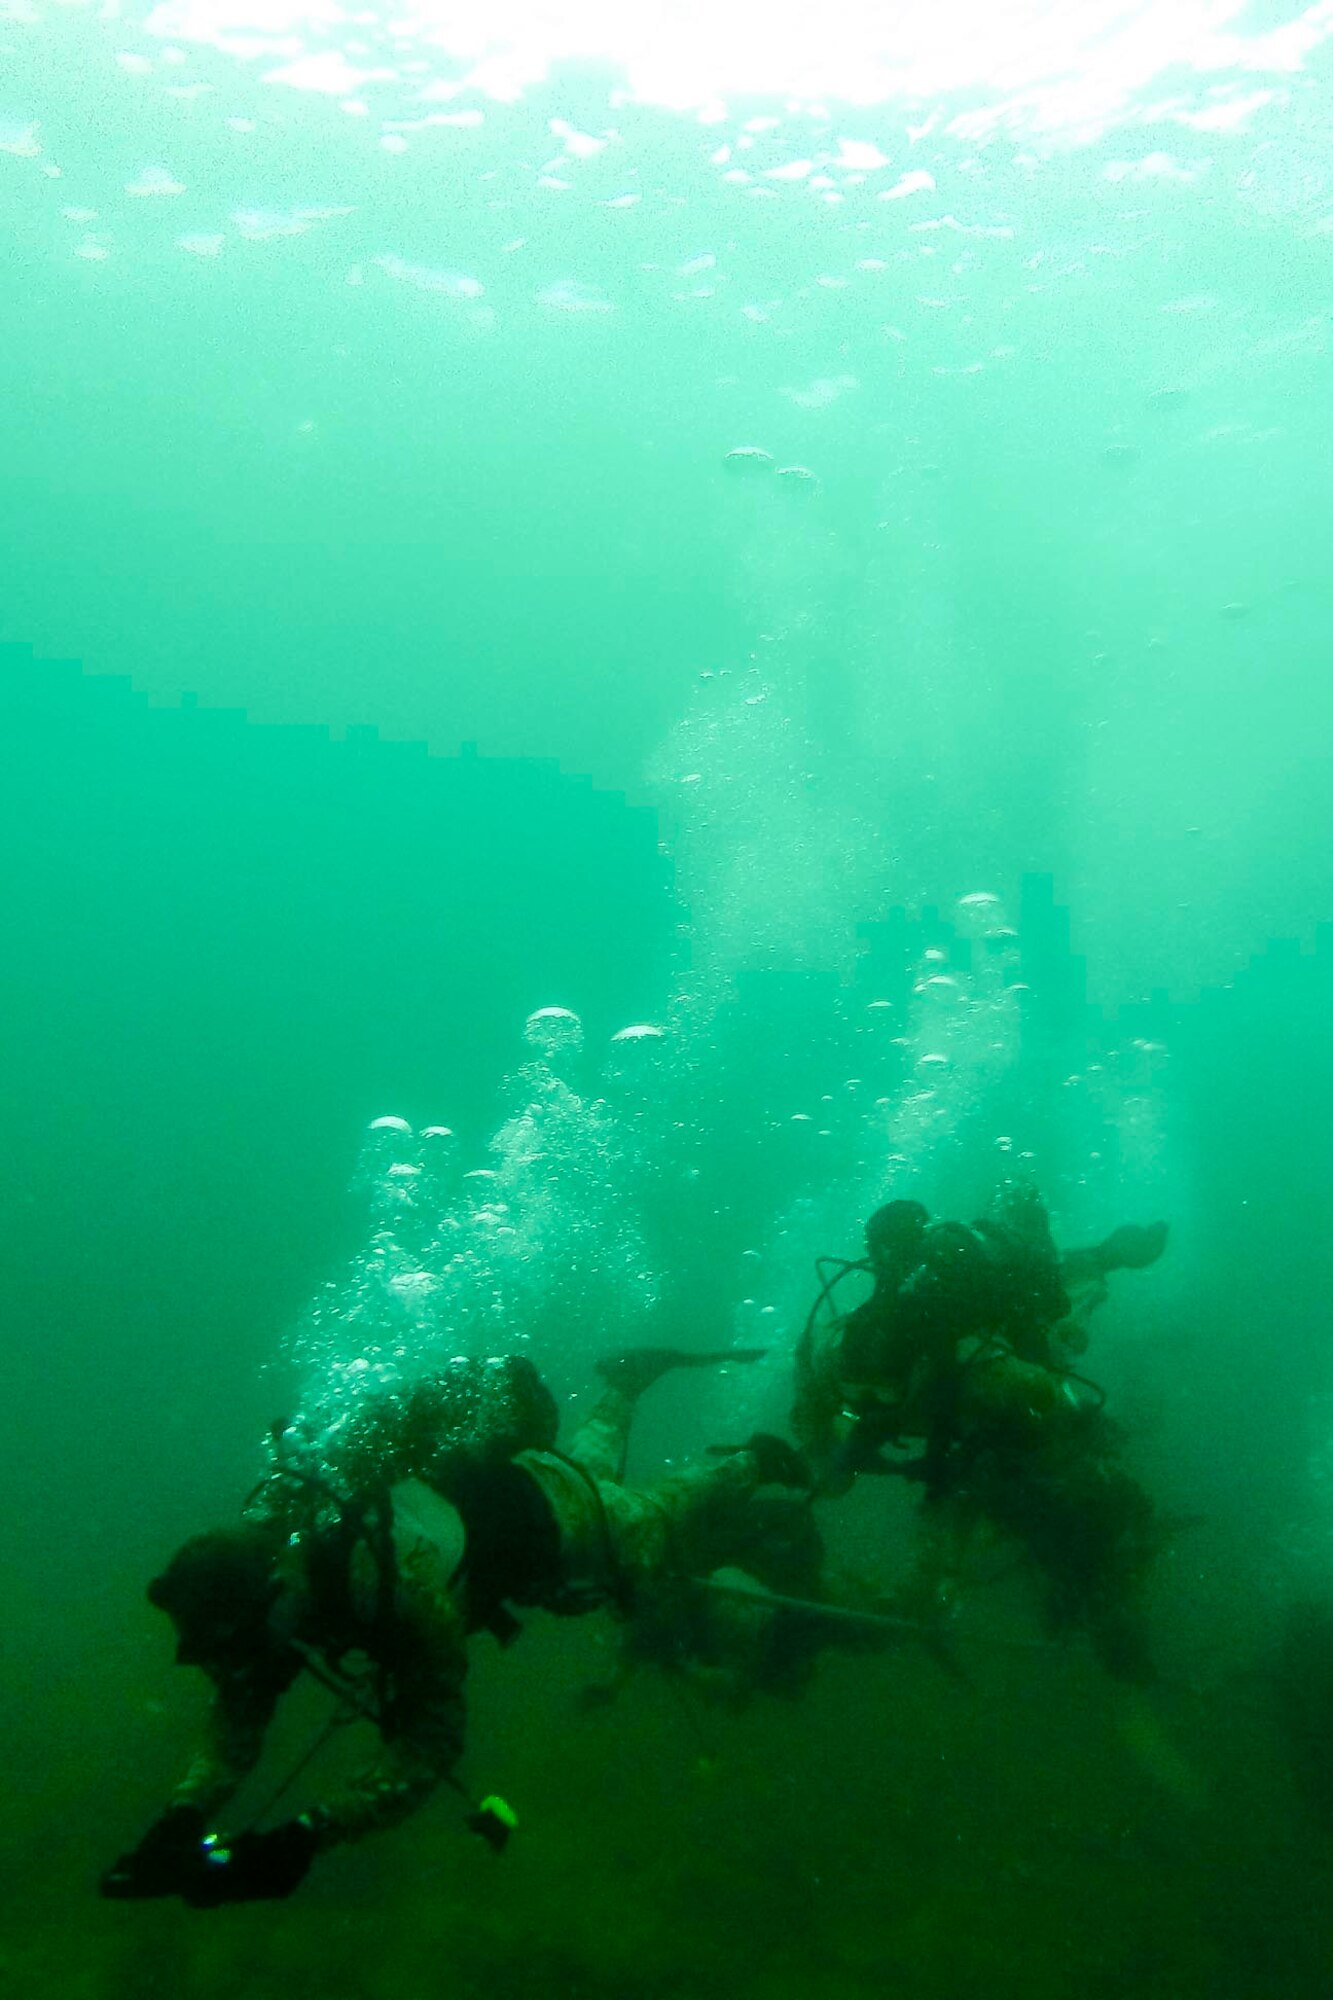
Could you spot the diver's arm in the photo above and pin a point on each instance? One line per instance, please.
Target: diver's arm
(1132, 1247)
(423, 1737)
(237, 1723)
(1082, 1269)
(172, 1857)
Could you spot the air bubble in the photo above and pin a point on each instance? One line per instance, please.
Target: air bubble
(439, 1161)
(387, 1147)
(748, 459)
(554, 1032)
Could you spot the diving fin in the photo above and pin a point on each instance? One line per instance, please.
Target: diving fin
(637, 1368)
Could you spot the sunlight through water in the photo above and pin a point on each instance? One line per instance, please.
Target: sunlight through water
(1054, 69)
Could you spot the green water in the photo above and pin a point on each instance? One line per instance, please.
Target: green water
(389, 648)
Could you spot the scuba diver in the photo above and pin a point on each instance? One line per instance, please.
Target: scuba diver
(888, 1370)
(960, 1357)
(376, 1593)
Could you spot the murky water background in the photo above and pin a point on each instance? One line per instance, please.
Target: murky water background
(802, 545)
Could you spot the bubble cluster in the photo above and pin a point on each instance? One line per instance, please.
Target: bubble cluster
(600, 1211)
(538, 1247)
(858, 1145)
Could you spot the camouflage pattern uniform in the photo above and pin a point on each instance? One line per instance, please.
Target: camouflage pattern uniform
(615, 1539)
(965, 1358)
(418, 1661)
(603, 1542)
(980, 1331)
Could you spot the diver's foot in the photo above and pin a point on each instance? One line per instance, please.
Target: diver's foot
(778, 1463)
(1134, 1246)
(639, 1367)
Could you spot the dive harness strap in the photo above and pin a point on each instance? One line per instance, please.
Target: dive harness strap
(331, 1548)
(576, 1598)
(371, 1521)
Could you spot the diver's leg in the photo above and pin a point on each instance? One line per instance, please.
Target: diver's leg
(1127, 1544)
(683, 1525)
(1093, 1532)
(946, 1526)
(601, 1441)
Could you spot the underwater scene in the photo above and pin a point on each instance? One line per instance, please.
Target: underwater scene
(666, 797)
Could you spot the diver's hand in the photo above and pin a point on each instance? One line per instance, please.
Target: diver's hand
(252, 1868)
(159, 1864)
(777, 1462)
(1134, 1246)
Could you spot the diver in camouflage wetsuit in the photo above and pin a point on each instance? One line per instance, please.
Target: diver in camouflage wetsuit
(399, 1579)
(965, 1321)
(961, 1353)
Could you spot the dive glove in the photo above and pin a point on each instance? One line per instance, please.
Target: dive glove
(161, 1861)
(176, 1857)
(252, 1868)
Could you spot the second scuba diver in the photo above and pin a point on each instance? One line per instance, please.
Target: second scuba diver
(960, 1358)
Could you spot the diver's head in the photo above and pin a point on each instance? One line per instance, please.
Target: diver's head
(219, 1590)
(894, 1236)
(527, 1418)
